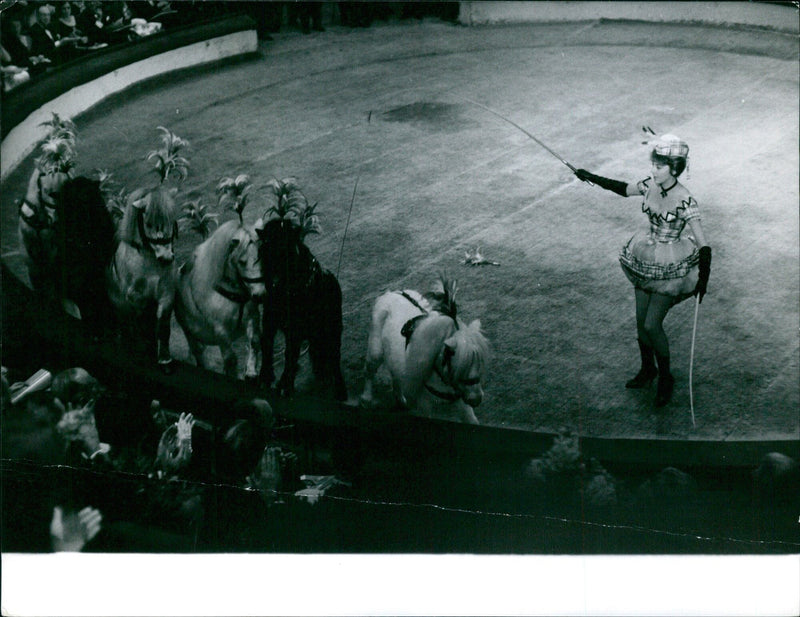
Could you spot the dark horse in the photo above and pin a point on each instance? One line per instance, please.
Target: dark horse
(304, 301)
(83, 239)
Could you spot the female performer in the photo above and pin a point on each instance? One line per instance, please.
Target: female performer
(664, 264)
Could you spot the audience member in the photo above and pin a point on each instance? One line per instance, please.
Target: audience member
(175, 446)
(91, 21)
(38, 508)
(43, 40)
(18, 45)
(65, 26)
(13, 75)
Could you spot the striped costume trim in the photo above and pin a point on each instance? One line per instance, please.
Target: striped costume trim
(656, 271)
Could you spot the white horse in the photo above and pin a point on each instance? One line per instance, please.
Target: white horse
(435, 360)
(218, 296)
(142, 275)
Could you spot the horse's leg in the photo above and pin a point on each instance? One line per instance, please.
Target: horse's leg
(268, 332)
(35, 255)
(253, 345)
(290, 363)
(333, 336)
(325, 353)
(197, 348)
(163, 330)
(229, 361)
(339, 387)
(467, 413)
(374, 357)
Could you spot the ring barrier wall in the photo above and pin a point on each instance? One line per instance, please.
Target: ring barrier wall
(779, 16)
(81, 84)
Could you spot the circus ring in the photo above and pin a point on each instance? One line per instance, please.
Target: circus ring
(389, 108)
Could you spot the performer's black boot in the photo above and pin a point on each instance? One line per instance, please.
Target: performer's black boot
(648, 372)
(665, 381)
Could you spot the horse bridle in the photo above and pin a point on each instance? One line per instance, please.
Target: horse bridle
(240, 296)
(38, 218)
(151, 242)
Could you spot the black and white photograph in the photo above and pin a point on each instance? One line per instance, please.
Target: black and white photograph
(381, 308)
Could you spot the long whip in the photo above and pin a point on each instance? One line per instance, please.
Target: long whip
(533, 137)
(347, 225)
(691, 355)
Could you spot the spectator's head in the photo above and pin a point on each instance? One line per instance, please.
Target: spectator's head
(64, 11)
(173, 454)
(43, 14)
(96, 9)
(12, 21)
(245, 440)
(119, 12)
(241, 448)
(75, 388)
(257, 409)
(78, 426)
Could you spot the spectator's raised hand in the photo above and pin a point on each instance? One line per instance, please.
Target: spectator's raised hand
(267, 476)
(185, 423)
(78, 425)
(71, 532)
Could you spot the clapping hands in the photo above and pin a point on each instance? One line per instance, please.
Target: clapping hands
(185, 424)
(71, 531)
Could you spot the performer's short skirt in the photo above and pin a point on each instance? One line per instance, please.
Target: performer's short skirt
(668, 268)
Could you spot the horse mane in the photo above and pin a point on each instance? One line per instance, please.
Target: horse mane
(210, 256)
(87, 227)
(472, 348)
(297, 259)
(160, 212)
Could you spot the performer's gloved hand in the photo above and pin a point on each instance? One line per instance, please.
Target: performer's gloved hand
(705, 271)
(615, 186)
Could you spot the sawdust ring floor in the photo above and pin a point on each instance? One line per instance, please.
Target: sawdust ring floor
(392, 106)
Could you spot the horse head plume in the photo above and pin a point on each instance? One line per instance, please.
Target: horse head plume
(60, 128)
(198, 218)
(58, 156)
(442, 297)
(168, 158)
(292, 207)
(233, 193)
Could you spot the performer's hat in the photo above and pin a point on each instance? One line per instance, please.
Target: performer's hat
(671, 146)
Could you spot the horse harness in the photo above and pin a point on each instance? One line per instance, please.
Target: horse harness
(440, 369)
(236, 290)
(35, 215)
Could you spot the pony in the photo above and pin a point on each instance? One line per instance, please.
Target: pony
(142, 275)
(218, 298)
(435, 360)
(304, 301)
(83, 240)
(38, 213)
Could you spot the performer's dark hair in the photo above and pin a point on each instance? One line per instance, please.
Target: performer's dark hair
(677, 164)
